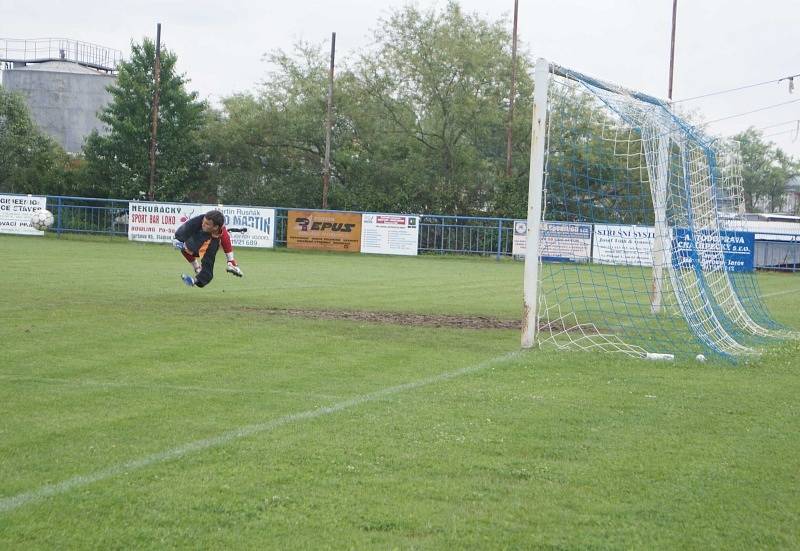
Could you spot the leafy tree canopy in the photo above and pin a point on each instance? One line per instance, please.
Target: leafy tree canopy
(766, 169)
(119, 160)
(30, 162)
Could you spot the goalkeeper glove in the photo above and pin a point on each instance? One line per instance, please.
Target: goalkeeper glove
(178, 244)
(233, 268)
(188, 280)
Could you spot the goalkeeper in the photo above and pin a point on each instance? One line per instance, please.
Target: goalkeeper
(198, 239)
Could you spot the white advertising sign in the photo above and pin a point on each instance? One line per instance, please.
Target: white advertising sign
(16, 212)
(157, 222)
(520, 244)
(389, 234)
(623, 244)
(559, 241)
(256, 225)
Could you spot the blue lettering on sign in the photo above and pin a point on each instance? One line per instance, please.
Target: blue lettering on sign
(256, 222)
(738, 250)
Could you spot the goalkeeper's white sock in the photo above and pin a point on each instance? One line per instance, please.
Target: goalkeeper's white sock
(196, 265)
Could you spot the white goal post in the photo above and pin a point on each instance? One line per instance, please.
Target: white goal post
(535, 187)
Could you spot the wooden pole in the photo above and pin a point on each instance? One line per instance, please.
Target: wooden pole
(672, 48)
(326, 172)
(513, 91)
(662, 239)
(154, 115)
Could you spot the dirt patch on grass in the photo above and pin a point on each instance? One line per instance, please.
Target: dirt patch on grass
(395, 318)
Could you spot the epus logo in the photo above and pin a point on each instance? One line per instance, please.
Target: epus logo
(306, 224)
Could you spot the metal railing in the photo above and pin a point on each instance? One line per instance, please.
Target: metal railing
(40, 50)
(86, 215)
(459, 234)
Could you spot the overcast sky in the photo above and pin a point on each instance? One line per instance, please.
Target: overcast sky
(720, 44)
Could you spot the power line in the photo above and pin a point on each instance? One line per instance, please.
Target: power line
(795, 121)
(754, 111)
(780, 133)
(789, 78)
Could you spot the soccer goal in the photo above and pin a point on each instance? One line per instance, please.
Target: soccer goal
(631, 248)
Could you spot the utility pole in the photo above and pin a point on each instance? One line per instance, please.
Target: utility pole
(661, 242)
(672, 48)
(513, 90)
(326, 171)
(154, 115)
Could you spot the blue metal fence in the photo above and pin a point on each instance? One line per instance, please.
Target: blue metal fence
(88, 215)
(438, 234)
(466, 235)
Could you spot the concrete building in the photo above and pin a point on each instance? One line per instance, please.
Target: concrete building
(64, 84)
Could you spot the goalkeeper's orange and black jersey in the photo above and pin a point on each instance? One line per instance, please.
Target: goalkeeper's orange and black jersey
(199, 244)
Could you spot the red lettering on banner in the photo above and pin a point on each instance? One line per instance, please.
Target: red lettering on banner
(397, 220)
(154, 219)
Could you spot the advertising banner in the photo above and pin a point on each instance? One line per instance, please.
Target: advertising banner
(738, 250)
(558, 241)
(157, 222)
(250, 226)
(325, 231)
(623, 244)
(389, 234)
(16, 212)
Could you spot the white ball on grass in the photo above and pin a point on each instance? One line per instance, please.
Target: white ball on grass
(700, 358)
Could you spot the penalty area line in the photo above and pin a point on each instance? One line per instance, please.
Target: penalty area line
(14, 502)
(779, 293)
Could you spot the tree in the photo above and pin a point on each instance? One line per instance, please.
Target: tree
(30, 162)
(419, 123)
(419, 126)
(119, 161)
(268, 148)
(765, 171)
(442, 79)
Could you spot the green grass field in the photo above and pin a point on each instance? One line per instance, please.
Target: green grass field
(138, 413)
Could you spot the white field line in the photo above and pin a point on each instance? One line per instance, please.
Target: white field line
(49, 490)
(72, 383)
(779, 293)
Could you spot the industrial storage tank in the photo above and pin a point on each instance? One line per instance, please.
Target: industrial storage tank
(64, 82)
